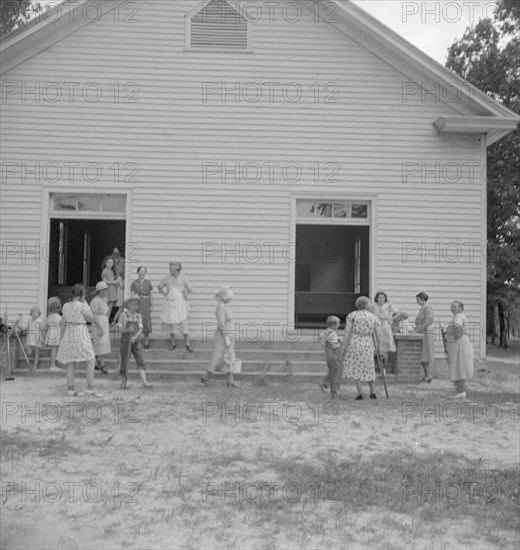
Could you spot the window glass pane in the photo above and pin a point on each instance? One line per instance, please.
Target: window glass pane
(360, 211)
(306, 209)
(340, 210)
(77, 202)
(114, 203)
(323, 210)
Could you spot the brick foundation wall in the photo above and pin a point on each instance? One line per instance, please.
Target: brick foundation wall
(409, 357)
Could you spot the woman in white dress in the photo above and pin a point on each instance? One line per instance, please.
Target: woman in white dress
(459, 350)
(175, 288)
(223, 357)
(76, 345)
(101, 328)
(385, 311)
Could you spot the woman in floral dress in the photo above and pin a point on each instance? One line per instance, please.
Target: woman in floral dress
(360, 328)
(76, 345)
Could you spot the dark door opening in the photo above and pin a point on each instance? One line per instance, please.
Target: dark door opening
(76, 252)
(331, 272)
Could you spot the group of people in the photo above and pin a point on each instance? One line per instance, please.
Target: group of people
(369, 332)
(81, 334)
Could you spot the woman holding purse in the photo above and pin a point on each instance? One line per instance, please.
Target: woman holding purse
(223, 357)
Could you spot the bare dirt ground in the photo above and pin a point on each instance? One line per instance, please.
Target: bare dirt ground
(276, 466)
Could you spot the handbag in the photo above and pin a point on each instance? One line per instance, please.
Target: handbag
(237, 366)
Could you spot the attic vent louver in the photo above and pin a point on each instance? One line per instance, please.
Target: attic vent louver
(219, 25)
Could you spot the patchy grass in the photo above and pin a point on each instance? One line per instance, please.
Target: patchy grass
(272, 466)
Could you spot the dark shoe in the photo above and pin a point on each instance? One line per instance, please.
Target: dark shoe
(373, 396)
(359, 398)
(189, 348)
(146, 346)
(429, 380)
(103, 369)
(171, 347)
(324, 388)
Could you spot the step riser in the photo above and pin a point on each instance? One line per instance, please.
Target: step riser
(195, 375)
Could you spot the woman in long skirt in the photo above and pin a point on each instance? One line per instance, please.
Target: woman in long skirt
(223, 357)
(424, 324)
(101, 329)
(142, 289)
(459, 350)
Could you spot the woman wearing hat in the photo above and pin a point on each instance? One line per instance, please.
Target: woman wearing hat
(175, 288)
(223, 356)
(424, 323)
(100, 329)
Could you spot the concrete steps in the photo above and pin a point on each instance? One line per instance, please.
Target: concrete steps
(301, 361)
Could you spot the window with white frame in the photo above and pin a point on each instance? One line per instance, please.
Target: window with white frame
(218, 24)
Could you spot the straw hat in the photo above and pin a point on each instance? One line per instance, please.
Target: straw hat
(101, 286)
(130, 300)
(224, 293)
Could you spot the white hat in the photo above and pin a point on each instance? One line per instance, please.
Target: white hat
(224, 293)
(101, 286)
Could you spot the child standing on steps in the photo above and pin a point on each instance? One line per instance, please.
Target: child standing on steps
(131, 325)
(330, 341)
(52, 330)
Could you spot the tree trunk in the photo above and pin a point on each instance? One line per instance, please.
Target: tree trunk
(491, 329)
(502, 324)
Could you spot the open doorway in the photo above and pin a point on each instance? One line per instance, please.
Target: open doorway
(331, 271)
(77, 248)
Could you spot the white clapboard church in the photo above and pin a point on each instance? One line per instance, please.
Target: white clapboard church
(298, 151)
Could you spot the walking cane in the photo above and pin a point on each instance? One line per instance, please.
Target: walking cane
(380, 364)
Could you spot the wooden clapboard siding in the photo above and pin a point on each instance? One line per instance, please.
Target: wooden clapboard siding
(170, 132)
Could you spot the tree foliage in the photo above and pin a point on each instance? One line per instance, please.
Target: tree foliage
(15, 13)
(488, 56)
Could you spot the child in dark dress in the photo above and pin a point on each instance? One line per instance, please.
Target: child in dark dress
(131, 325)
(330, 341)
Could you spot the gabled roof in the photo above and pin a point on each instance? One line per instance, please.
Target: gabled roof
(477, 112)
